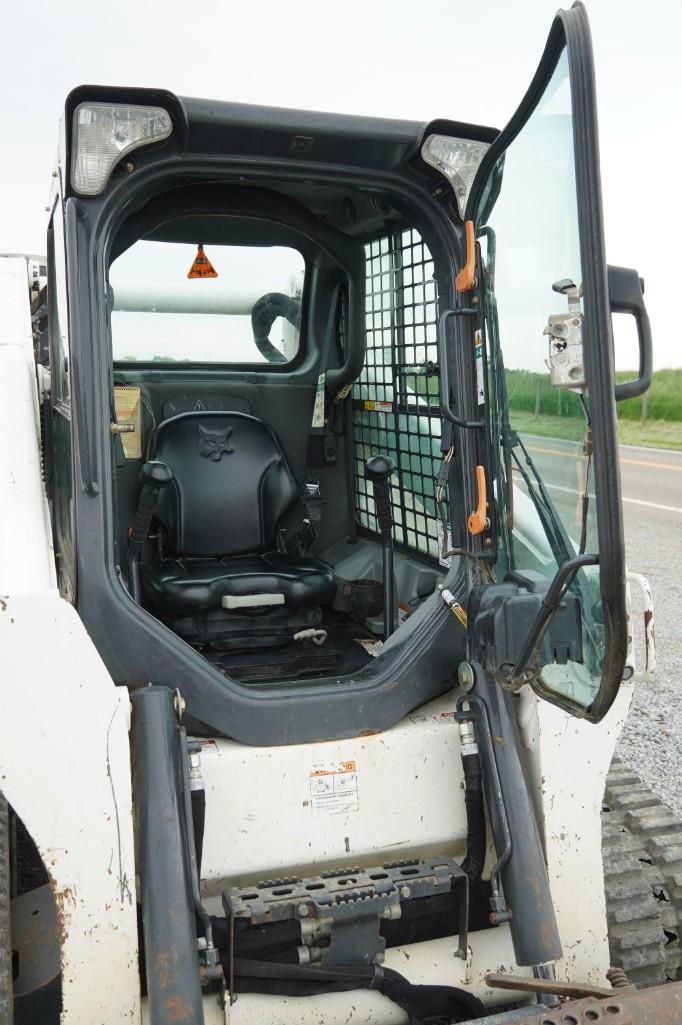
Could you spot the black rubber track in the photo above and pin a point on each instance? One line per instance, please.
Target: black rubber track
(642, 849)
(6, 1013)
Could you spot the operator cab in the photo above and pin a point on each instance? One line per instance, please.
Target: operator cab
(256, 374)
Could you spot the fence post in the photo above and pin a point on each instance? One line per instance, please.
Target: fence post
(537, 399)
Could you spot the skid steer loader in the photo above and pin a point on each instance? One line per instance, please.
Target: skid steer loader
(314, 655)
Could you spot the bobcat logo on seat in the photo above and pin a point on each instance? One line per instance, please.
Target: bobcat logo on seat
(212, 444)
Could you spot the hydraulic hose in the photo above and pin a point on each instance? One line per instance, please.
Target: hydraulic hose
(473, 800)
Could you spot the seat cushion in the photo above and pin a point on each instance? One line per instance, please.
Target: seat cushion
(199, 585)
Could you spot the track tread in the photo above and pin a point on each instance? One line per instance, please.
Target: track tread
(6, 997)
(642, 852)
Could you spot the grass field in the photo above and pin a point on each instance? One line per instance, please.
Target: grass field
(560, 415)
(654, 433)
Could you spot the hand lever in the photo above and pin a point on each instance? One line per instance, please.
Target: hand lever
(478, 521)
(154, 476)
(378, 471)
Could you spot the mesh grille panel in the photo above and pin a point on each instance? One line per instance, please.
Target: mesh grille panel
(395, 400)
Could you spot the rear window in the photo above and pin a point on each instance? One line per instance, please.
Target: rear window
(248, 313)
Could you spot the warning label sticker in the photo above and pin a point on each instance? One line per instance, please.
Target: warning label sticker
(445, 719)
(202, 266)
(208, 744)
(128, 412)
(480, 376)
(374, 406)
(334, 788)
(318, 408)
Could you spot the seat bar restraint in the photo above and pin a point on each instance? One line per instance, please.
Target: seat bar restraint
(321, 448)
(251, 601)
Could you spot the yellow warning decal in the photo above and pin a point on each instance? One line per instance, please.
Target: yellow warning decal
(374, 406)
(202, 266)
(129, 412)
(458, 611)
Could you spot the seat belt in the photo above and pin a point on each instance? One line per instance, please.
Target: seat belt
(318, 445)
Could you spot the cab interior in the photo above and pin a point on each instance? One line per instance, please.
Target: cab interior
(245, 408)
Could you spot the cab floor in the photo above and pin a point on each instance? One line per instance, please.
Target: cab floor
(341, 653)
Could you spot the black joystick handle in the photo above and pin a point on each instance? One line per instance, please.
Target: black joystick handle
(378, 470)
(154, 476)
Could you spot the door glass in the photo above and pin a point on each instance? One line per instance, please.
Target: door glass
(540, 409)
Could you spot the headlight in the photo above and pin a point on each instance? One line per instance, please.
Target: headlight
(103, 133)
(458, 160)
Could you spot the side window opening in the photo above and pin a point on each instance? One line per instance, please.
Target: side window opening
(248, 314)
(396, 399)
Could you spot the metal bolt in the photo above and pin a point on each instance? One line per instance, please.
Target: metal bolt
(130, 166)
(465, 676)
(380, 958)
(474, 300)
(405, 892)
(303, 911)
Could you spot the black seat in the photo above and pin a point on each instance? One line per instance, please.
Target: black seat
(220, 576)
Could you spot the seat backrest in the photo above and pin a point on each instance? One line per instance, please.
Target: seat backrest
(232, 483)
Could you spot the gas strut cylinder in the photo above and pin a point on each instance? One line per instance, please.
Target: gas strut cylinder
(528, 902)
(378, 470)
(168, 908)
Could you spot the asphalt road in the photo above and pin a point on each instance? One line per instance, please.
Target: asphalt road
(651, 481)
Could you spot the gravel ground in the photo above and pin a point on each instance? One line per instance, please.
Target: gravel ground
(651, 743)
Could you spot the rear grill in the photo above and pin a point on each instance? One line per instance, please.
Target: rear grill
(396, 398)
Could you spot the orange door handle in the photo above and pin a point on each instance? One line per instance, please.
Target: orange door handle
(478, 521)
(464, 281)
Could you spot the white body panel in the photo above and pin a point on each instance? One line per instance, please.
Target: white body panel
(64, 752)
(292, 808)
(26, 555)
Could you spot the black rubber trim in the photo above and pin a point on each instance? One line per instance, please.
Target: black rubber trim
(626, 292)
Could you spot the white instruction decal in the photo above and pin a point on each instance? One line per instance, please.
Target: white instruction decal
(210, 746)
(480, 380)
(334, 788)
(318, 408)
(445, 719)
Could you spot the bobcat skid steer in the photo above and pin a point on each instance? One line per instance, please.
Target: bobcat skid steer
(314, 654)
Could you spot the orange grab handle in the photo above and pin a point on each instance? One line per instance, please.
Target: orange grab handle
(464, 281)
(478, 521)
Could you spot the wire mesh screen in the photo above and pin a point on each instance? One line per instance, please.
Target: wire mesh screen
(396, 399)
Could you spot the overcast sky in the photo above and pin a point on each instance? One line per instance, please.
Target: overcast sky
(421, 60)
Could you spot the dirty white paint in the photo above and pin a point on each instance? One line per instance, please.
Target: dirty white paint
(65, 768)
(569, 759)
(26, 556)
(64, 751)
(291, 808)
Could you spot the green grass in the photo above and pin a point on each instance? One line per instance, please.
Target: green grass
(664, 398)
(654, 433)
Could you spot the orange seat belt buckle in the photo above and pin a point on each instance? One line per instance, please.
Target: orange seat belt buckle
(464, 281)
(478, 521)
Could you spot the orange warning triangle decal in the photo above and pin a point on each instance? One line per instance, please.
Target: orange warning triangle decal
(202, 266)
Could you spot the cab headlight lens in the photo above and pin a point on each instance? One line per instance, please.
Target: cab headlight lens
(103, 133)
(458, 160)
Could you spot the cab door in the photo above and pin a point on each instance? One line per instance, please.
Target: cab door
(539, 270)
